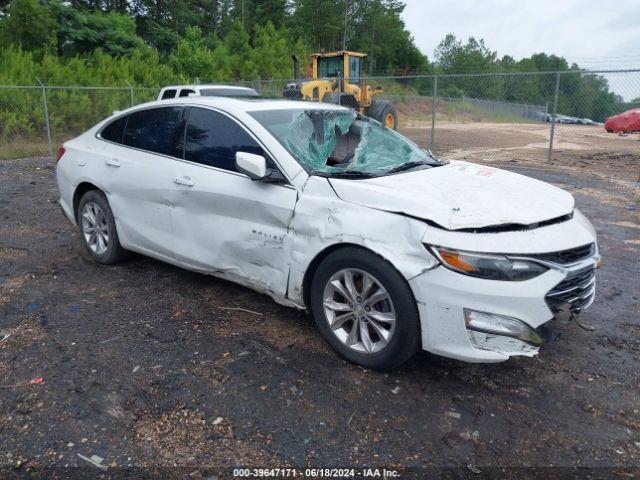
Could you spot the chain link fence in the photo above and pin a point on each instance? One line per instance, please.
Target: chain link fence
(538, 116)
(35, 120)
(23, 129)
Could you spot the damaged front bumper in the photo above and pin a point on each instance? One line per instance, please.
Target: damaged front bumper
(479, 320)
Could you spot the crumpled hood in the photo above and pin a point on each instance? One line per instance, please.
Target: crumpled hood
(460, 195)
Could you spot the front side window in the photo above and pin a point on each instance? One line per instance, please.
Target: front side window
(331, 142)
(155, 130)
(185, 92)
(213, 139)
(330, 67)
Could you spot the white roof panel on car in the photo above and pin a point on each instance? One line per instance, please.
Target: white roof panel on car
(204, 86)
(250, 104)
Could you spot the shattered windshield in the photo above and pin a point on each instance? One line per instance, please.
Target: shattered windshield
(331, 142)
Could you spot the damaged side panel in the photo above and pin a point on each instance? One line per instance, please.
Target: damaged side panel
(234, 228)
(148, 225)
(322, 220)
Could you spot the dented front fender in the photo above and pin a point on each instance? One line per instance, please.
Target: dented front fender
(322, 220)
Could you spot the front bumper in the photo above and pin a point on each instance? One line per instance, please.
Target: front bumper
(442, 295)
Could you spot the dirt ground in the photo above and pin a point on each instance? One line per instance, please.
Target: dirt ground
(145, 366)
(525, 141)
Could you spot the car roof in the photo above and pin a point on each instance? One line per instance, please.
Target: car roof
(206, 86)
(249, 104)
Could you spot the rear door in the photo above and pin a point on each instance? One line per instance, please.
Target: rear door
(224, 222)
(138, 175)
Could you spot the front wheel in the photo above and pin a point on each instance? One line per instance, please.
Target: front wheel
(365, 310)
(384, 112)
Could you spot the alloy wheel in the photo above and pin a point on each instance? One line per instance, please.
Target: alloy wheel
(95, 228)
(359, 310)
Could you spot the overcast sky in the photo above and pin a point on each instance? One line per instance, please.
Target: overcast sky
(591, 33)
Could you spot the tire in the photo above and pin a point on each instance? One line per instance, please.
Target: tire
(404, 338)
(105, 247)
(380, 110)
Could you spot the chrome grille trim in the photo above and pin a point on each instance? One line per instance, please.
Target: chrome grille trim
(577, 291)
(567, 257)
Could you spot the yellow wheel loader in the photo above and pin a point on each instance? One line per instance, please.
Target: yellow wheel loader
(337, 79)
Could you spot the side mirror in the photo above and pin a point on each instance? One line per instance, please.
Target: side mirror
(255, 167)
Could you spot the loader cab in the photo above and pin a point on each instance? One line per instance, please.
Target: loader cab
(342, 64)
(331, 67)
(337, 78)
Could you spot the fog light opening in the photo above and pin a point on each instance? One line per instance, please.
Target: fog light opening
(494, 325)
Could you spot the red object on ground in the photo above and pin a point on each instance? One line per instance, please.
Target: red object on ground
(36, 380)
(628, 121)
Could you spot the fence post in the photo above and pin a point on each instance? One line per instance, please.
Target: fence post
(553, 117)
(131, 92)
(433, 113)
(46, 116)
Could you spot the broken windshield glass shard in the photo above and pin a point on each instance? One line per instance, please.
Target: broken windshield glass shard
(331, 142)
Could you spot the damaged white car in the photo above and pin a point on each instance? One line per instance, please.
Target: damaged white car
(391, 249)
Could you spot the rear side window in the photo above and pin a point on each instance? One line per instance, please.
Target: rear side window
(168, 94)
(114, 130)
(213, 139)
(156, 130)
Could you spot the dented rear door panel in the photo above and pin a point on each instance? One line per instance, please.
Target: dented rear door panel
(139, 186)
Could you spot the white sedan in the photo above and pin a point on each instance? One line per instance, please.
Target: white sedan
(391, 249)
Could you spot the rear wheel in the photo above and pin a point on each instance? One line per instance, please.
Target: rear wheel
(98, 228)
(365, 310)
(384, 112)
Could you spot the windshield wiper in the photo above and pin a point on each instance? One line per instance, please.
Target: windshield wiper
(351, 174)
(408, 165)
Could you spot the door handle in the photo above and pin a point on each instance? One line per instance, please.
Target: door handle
(112, 162)
(186, 181)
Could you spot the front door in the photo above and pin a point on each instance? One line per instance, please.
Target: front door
(223, 222)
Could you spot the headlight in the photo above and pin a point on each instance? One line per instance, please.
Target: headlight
(490, 267)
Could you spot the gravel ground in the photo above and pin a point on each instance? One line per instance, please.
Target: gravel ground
(144, 365)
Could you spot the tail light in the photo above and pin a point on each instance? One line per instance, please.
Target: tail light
(61, 151)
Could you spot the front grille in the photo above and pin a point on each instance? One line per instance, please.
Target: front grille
(565, 257)
(576, 291)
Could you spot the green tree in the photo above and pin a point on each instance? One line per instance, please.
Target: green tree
(30, 25)
(376, 27)
(272, 50)
(237, 44)
(454, 57)
(319, 21)
(82, 31)
(161, 22)
(192, 57)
